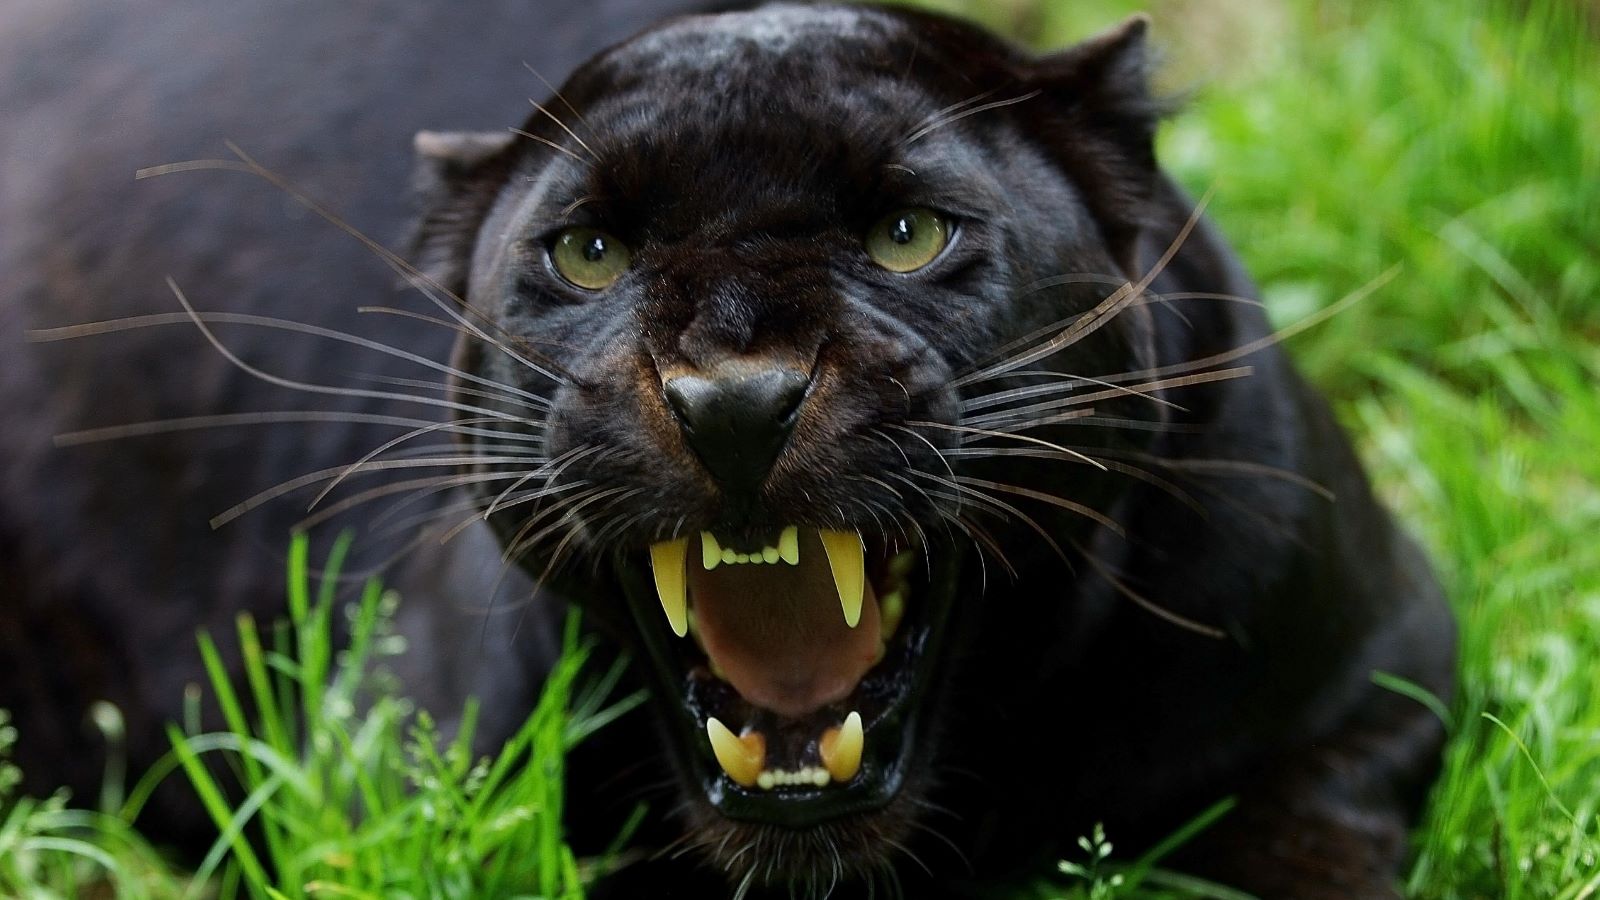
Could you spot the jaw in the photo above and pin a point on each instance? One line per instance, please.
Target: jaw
(796, 724)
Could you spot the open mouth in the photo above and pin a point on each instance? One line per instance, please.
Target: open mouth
(797, 655)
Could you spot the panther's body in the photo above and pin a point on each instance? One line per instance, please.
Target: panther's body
(1179, 598)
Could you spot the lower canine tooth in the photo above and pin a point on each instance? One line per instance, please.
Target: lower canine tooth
(666, 563)
(740, 757)
(841, 748)
(847, 559)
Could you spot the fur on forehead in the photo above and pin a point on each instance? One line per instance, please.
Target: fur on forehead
(710, 42)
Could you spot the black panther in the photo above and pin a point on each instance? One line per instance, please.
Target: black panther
(858, 374)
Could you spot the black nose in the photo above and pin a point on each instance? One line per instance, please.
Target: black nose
(738, 425)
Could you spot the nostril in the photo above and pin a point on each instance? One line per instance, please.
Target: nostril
(738, 425)
(789, 392)
(684, 393)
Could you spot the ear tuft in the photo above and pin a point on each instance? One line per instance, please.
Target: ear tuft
(456, 177)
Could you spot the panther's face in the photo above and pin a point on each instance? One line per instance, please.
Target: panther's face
(744, 299)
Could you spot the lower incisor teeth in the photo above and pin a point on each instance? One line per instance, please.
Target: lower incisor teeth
(807, 777)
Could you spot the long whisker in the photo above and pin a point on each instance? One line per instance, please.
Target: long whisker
(1244, 468)
(423, 282)
(1043, 497)
(923, 438)
(952, 119)
(385, 447)
(228, 420)
(454, 390)
(1114, 391)
(1073, 382)
(472, 504)
(954, 107)
(549, 143)
(982, 502)
(192, 317)
(452, 326)
(398, 487)
(570, 133)
(1103, 312)
(1146, 603)
(1277, 337)
(1005, 434)
(550, 471)
(310, 478)
(1122, 468)
(475, 514)
(557, 93)
(309, 387)
(969, 487)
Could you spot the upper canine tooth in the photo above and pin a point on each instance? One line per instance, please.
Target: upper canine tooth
(667, 563)
(847, 559)
(741, 757)
(789, 545)
(841, 748)
(710, 551)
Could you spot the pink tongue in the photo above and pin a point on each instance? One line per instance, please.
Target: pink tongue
(776, 632)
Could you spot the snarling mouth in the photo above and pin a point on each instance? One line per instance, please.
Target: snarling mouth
(797, 655)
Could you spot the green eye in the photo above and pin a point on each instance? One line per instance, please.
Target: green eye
(590, 259)
(907, 239)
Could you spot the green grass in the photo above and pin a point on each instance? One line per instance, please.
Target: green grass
(327, 783)
(1459, 140)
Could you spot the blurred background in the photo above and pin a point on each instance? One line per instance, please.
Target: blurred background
(1458, 141)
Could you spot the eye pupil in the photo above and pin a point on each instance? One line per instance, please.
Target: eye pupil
(901, 232)
(595, 249)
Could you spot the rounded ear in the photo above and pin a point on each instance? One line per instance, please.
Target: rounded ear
(455, 179)
(1104, 126)
(1110, 71)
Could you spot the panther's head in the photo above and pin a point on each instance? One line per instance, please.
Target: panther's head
(781, 328)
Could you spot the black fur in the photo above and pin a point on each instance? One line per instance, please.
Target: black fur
(1200, 619)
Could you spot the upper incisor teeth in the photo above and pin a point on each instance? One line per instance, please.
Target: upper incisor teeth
(847, 559)
(713, 554)
(667, 564)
